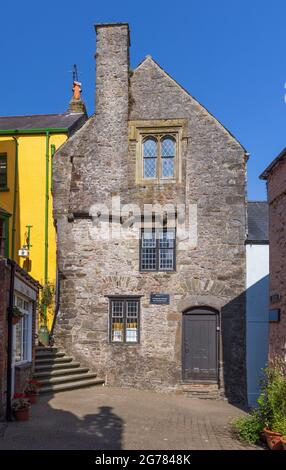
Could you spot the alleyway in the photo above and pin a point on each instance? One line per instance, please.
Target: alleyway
(111, 418)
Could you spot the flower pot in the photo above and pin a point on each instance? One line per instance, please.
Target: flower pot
(22, 414)
(273, 439)
(15, 320)
(283, 442)
(32, 397)
(44, 336)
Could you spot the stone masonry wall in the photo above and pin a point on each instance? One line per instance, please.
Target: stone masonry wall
(98, 162)
(277, 230)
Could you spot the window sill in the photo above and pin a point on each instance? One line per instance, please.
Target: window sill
(23, 364)
(173, 271)
(4, 190)
(147, 182)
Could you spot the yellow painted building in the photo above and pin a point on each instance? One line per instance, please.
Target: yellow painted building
(27, 144)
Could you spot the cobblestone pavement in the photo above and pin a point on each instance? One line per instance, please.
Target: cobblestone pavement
(111, 418)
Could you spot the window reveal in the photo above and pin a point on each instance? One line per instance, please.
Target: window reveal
(23, 331)
(159, 157)
(3, 171)
(124, 320)
(157, 251)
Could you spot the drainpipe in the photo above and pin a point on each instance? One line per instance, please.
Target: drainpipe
(15, 199)
(46, 221)
(53, 150)
(10, 342)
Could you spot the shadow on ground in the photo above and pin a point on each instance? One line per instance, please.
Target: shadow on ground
(51, 428)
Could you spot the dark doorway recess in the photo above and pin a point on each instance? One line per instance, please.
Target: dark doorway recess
(200, 345)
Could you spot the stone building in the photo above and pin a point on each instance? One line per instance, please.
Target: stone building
(159, 310)
(275, 175)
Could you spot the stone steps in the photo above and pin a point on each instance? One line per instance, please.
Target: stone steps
(207, 391)
(51, 367)
(71, 386)
(52, 360)
(67, 378)
(58, 372)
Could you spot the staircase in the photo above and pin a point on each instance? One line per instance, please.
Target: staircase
(58, 372)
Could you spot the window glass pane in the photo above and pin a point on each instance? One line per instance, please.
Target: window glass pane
(167, 154)
(25, 337)
(18, 350)
(150, 158)
(150, 148)
(3, 172)
(166, 260)
(167, 167)
(132, 321)
(166, 239)
(167, 147)
(148, 259)
(148, 239)
(2, 237)
(150, 167)
(19, 302)
(117, 321)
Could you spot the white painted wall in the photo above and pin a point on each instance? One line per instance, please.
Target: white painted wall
(257, 308)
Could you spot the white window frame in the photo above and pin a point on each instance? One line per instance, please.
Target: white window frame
(28, 316)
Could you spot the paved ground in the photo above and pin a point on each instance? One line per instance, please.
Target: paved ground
(111, 418)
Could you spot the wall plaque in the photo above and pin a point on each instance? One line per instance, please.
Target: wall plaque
(160, 299)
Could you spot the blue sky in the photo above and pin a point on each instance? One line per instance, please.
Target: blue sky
(230, 55)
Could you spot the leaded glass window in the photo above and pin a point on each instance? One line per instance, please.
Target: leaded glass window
(124, 320)
(150, 158)
(159, 153)
(167, 157)
(157, 250)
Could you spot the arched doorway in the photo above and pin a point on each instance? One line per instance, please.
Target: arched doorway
(200, 345)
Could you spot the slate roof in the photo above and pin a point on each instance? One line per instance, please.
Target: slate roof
(257, 213)
(70, 121)
(270, 168)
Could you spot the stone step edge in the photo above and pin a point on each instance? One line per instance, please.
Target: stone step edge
(68, 378)
(71, 386)
(59, 372)
(63, 366)
(60, 360)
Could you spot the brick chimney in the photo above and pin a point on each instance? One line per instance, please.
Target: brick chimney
(112, 93)
(76, 104)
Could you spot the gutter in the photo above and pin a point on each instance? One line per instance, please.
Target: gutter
(52, 130)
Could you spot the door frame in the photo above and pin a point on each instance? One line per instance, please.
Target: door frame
(209, 311)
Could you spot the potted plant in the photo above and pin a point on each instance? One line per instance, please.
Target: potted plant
(267, 421)
(32, 391)
(46, 300)
(17, 315)
(21, 407)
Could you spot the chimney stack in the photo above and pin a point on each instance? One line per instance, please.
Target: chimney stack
(112, 96)
(76, 105)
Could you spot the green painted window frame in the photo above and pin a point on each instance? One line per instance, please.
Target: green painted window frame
(3, 158)
(5, 219)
